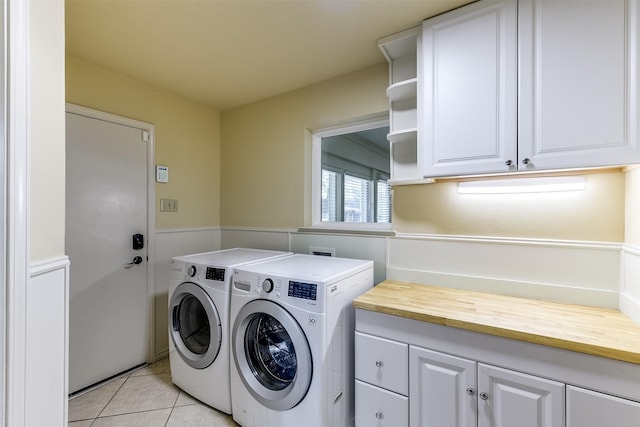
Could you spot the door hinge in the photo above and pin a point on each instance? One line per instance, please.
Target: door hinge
(145, 136)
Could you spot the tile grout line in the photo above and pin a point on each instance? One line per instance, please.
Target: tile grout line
(114, 395)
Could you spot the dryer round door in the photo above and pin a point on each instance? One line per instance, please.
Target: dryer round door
(194, 325)
(272, 355)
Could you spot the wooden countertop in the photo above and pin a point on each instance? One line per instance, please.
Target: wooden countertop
(591, 330)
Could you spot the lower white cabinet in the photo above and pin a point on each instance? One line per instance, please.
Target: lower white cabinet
(586, 408)
(417, 374)
(446, 390)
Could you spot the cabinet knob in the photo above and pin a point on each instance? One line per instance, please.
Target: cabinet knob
(526, 161)
(471, 391)
(508, 162)
(379, 415)
(484, 396)
(379, 363)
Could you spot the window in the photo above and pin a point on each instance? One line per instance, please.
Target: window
(351, 170)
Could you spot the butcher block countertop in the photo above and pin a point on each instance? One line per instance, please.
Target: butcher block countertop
(591, 330)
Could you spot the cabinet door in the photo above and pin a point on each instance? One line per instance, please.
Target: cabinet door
(578, 103)
(442, 389)
(586, 408)
(508, 398)
(470, 89)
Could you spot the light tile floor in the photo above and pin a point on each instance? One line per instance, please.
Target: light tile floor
(143, 398)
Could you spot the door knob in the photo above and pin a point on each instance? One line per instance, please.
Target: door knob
(136, 260)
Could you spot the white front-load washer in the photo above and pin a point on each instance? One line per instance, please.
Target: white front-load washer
(199, 298)
(292, 340)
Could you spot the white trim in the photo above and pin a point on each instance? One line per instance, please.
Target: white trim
(18, 165)
(47, 266)
(260, 229)
(613, 246)
(186, 230)
(632, 249)
(151, 198)
(17, 210)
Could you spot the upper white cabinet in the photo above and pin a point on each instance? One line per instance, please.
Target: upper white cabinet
(529, 85)
(470, 89)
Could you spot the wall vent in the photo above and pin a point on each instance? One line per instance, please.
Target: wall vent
(315, 250)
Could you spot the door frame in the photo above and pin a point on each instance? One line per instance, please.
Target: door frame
(151, 217)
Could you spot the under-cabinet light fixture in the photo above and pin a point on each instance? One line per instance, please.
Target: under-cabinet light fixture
(523, 185)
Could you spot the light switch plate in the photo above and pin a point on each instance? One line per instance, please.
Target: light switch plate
(168, 205)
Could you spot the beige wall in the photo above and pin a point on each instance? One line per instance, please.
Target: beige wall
(266, 170)
(187, 138)
(46, 129)
(595, 214)
(266, 147)
(632, 211)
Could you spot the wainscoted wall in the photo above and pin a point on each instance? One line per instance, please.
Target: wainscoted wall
(565, 271)
(593, 273)
(630, 287)
(170, 243)
(256, 238)
(347, 246)
(47, 339)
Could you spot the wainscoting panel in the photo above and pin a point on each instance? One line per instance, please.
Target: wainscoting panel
(47, 342)
(630, 288)
(347, 246)
(170, 243)
(275, 240)
(571, 272)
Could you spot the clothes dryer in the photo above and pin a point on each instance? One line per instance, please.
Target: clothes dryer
(292, 340)
(199, 298)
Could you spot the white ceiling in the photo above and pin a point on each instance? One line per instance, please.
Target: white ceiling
(227, 53)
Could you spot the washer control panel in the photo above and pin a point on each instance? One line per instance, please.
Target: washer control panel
(303, 290)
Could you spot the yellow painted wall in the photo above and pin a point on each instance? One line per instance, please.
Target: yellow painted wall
(266, 147)
(266, 168)
(187, 138)
(46, 130)
(595, 214)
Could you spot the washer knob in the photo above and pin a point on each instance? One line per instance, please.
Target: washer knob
(267, 285)
(191, 271)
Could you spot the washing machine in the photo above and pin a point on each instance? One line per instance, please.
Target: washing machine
(199, 298)
(292, 340)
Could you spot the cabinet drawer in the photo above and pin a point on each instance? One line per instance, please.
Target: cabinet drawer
(382, 362)
(586, 408)
(376, 407)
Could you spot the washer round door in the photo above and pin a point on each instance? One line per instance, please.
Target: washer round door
(194, 325)
(272, 355)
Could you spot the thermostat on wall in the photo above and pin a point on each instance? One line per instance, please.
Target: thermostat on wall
(162, 173)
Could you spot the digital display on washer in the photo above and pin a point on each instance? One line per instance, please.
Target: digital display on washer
(303, 290)
(215, 274)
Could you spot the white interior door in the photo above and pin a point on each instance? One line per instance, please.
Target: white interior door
(106, 204)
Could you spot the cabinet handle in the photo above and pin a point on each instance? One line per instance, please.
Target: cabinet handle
(379, 363)
(379, 415)
(508, 162)
(471, 391)
(526, 161)
(484, 396)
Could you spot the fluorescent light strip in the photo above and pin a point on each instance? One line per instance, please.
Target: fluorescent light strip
(523, 185)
